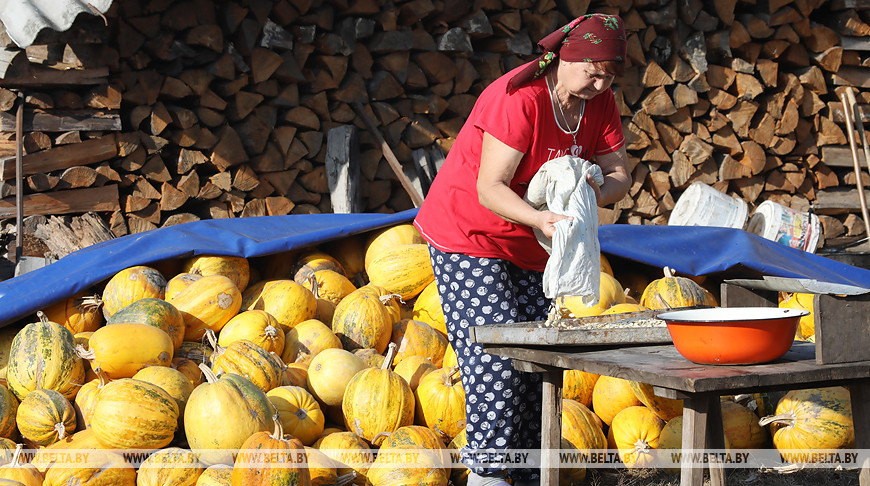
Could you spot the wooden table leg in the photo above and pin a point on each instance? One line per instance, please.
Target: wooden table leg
(859, 393)
(551, 426)
(695, 410)
(715, 439)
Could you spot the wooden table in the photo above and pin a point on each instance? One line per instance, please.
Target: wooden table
(698, 385)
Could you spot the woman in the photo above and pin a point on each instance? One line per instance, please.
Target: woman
(487, 261)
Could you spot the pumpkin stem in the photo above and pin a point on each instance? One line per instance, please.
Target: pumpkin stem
(385, 299)
(669, 272)
(315, 285)
(788, 419)
(61, 431)
(381, 435)
(90, 304)
(392, 350)
(641, 447)
(346, 479)
(660, 301)
(453, 376)
(15, 464)
(210, 376)
(278, 433)
(42, 317)
(270, 332)
(102, 376)
(212, 341)
(87, 354)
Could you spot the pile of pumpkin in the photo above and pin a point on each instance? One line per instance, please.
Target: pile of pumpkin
(320, 351)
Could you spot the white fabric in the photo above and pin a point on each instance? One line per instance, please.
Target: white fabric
(574, 266)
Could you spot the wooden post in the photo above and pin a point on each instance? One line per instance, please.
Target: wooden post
(551, 426)
(342, 169)
(19, 178)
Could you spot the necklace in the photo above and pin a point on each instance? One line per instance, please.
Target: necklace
(551, 86)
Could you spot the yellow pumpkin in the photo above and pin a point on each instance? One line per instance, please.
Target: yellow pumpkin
(362, 320)
(610, 395)
(664, 408)
(623, 308)
(459, 473)
(427, 308)
(172, 381)
(151, 427)
(8, 411)
(256, 326)
(671, 438)
(605, 265)
(18, 470)
(313, 261)
(322, 469)
(7, 335)
(449, 357)
(416, 338)
(350, 252)
(217, 475)
(387, 238)
(222, 413)
(43, 355)
(299, 412)
(306, 340)
(377, 400)
(154, 312)
(350, 452)
(404, 270)
(610, 293)
(178, 283)
(372, 358)
(289, 302)
(79, 313)
(426, 468)
(295, 374)
(329, 373)
(254, 467)
(170, 467)
(741, 428)
(636, 430)
(48, 457)
(235, 268)
(413, 369)
(197, 351)
(45, 416)
(103, 468)
(581, 430)
(130, 285)
(189, 369)
(208, 303)
(246, 359)
(806, 326)
(330, 285)
(578, 385)
(87, 398)
(440, 403)
(672, 291)
(816, 418)
(121, 350)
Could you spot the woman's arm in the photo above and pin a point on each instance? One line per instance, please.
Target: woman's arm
(617, 180)
(498, 164)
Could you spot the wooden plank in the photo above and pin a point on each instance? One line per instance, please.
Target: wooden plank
(837, 200)
(854, 43)
(841, 328)
(715, 438)
(343, 169)
(663, 366)
(837, 156)
(858, 77)
(63, 157)
(836, 112)
(859, 394)
(551, 426)
(103, 198)
(40, 76)
(63, 121)
(736, 296)
(695, 412)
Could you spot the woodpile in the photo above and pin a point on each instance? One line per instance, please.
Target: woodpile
(194, 109)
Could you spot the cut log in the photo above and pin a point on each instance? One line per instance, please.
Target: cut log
(63, 121)
(89, 152)
(73, 201)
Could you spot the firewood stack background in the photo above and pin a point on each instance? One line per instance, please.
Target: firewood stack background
(171, 111)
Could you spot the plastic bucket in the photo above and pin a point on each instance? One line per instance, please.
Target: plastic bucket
(701, 205)
(783, 224)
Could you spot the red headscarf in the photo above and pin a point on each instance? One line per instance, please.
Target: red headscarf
(590, 38)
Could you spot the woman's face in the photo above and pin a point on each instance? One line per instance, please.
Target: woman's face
(583, 79)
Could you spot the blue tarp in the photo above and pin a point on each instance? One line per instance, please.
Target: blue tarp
(690, 250)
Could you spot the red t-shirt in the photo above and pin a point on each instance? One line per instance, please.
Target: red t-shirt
(451, 218)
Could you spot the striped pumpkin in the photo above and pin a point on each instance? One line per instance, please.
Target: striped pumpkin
(581, 427)
(43, 355)
(246, 359)
(46, 457)
(18, 470)
(217, 475)
(121, 350)
(87, 398)
(350, 252)
(427, 308)
(440, 403)
(413, 369)
(289, 302)
(178, 283)
(103, 468)
(378, 400)
(234, 268)
(417, 338)
(578, 385)
(664, 408)
(299, 412)
(330, 285)
(172, 466)
(253, 467)
(172, 381)
(153, 312)
(816, 418)
(313, 261)
(208, 303)
(362, 320)
(45, 416)
(672, 291)
(256, 326)
(306, 340)
(384, 239)
(338, 446)
(151, 426)
(79, 313)
(404, 270)
(130, 285)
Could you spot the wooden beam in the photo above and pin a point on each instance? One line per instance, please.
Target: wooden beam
(63, 121)
(103, 198)
(39, 76)
(837, 200)
(850, 43)
(858, 77)
(837, 156)
(343, 169)
(63, 157)
(836, 110)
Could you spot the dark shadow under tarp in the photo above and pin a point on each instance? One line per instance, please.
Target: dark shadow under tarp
(690, 250)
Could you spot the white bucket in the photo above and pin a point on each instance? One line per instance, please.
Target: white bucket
(783, 224)
(701, 205)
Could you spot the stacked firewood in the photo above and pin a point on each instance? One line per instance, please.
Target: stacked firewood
(217, 109)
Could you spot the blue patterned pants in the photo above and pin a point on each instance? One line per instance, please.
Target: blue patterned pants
(502, 405)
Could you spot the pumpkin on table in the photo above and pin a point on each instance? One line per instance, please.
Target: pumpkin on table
(806, 329)
(673, 291)
(610, 293)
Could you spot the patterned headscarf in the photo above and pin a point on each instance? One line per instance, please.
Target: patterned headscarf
(590, 38)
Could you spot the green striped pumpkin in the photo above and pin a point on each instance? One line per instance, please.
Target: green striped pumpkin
(130, 285)
(404, 270)
(133, 414)
(8, 410)
(671, 291)
(45, 417)
(153, 312)
(43, 355)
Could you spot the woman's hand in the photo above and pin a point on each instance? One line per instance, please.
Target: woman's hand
(595, 187)
(547, 223)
